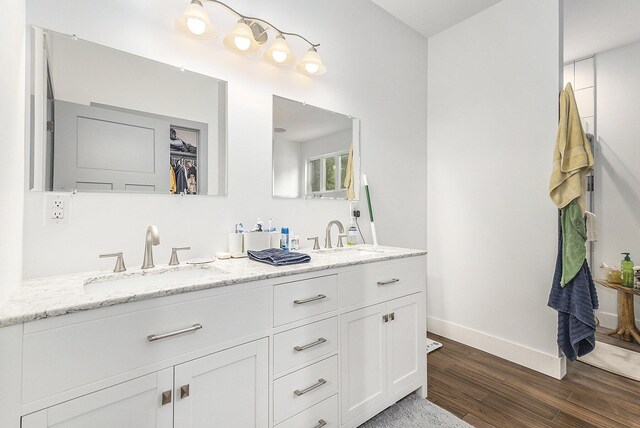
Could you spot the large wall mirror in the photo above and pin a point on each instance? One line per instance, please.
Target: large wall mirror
(316, 152)
(104, 120)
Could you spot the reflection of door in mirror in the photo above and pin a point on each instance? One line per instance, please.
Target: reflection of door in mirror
(116, 122)
(311, 151)
(604, 74)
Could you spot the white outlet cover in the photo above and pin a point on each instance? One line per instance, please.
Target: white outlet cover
(57, 209)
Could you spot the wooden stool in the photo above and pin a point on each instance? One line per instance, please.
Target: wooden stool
(626, 329)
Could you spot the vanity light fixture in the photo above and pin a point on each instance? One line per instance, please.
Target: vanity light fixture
(248, 36)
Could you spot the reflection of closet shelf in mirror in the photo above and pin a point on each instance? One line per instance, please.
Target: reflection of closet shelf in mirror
(184, 154)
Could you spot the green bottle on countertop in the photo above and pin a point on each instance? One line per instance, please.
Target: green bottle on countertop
(627, 271)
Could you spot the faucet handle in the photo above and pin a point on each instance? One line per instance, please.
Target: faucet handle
(316, 245)
(120, 267)
(340, 236)
(174, 255)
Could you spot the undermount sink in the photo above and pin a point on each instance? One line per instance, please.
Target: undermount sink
(141, 278)
(352, 250)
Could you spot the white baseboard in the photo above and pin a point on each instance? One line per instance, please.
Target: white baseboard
(609, 320)
(550, 365)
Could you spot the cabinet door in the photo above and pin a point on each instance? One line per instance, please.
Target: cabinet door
(403, 350)
(135, 404)
(226, 389)
(363, 353)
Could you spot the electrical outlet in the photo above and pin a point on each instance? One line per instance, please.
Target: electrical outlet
(56, 209)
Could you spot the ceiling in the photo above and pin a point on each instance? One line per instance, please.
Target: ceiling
(304, 122)
(429, 17)
(592, 26)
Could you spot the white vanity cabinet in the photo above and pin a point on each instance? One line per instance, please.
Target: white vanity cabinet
(228, 388)
(136, 403)
(324, 348)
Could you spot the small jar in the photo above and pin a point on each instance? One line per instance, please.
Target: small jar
(294, 244)
(614, 275)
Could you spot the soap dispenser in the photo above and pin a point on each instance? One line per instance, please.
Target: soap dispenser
(627, 271)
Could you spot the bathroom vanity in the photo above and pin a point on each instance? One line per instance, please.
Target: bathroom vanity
(235, 343)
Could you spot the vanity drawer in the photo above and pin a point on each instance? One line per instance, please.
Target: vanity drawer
(326, 411)
(302, 389)
(300, 345)
(294, 301)
(381, 281)
(68, 357)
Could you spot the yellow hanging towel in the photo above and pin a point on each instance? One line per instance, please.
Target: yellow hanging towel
(348, 179)
(572, 158)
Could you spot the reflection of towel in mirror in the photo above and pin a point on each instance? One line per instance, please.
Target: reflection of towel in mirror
(348, 179)
(592, 227)
(572, 158)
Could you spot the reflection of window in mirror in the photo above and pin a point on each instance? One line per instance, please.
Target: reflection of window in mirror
(326, 174)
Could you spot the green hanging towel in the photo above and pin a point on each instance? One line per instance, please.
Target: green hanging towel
(574, 237)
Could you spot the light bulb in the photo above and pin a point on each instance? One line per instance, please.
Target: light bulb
(311, 67)
(196, 25)
(242, 43)
(279, 56)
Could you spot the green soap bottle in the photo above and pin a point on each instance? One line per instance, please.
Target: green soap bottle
(627, 271)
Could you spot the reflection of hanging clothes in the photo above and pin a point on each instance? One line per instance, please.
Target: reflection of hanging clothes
(192, 185)
(172, 180)
(181, 179)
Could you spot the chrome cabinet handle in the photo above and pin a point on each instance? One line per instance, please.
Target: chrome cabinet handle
(392, 316)
(385, 318)
(166, 397)
(310, 299)
(310, 388)
(321, 423)
(154, 337)
(387, 282)
(184, 391)
(310, 345)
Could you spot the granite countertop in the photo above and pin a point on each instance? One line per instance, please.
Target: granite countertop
(47, 297)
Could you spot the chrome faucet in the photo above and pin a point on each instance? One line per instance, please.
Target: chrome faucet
(152, 238)
(327, 237)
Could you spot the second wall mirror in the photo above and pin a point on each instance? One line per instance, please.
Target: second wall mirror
(316, 152)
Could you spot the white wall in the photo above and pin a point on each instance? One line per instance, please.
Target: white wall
(617, 177)
(12, 109)
(491, 227)
(359, 82)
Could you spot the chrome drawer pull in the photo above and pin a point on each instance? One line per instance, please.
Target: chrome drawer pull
(311, 388)
(310, 299)
(390, 281)
(166, 398)
(310, 345)
(154, 337)
(321, 423)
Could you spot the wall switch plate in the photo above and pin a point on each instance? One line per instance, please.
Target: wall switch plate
(57, 208)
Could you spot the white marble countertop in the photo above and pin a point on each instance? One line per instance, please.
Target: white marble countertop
(59, 295)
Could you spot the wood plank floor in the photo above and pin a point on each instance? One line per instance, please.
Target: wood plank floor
(487, 391)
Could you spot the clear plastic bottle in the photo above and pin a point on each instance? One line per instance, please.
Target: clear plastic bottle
(352, 233)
